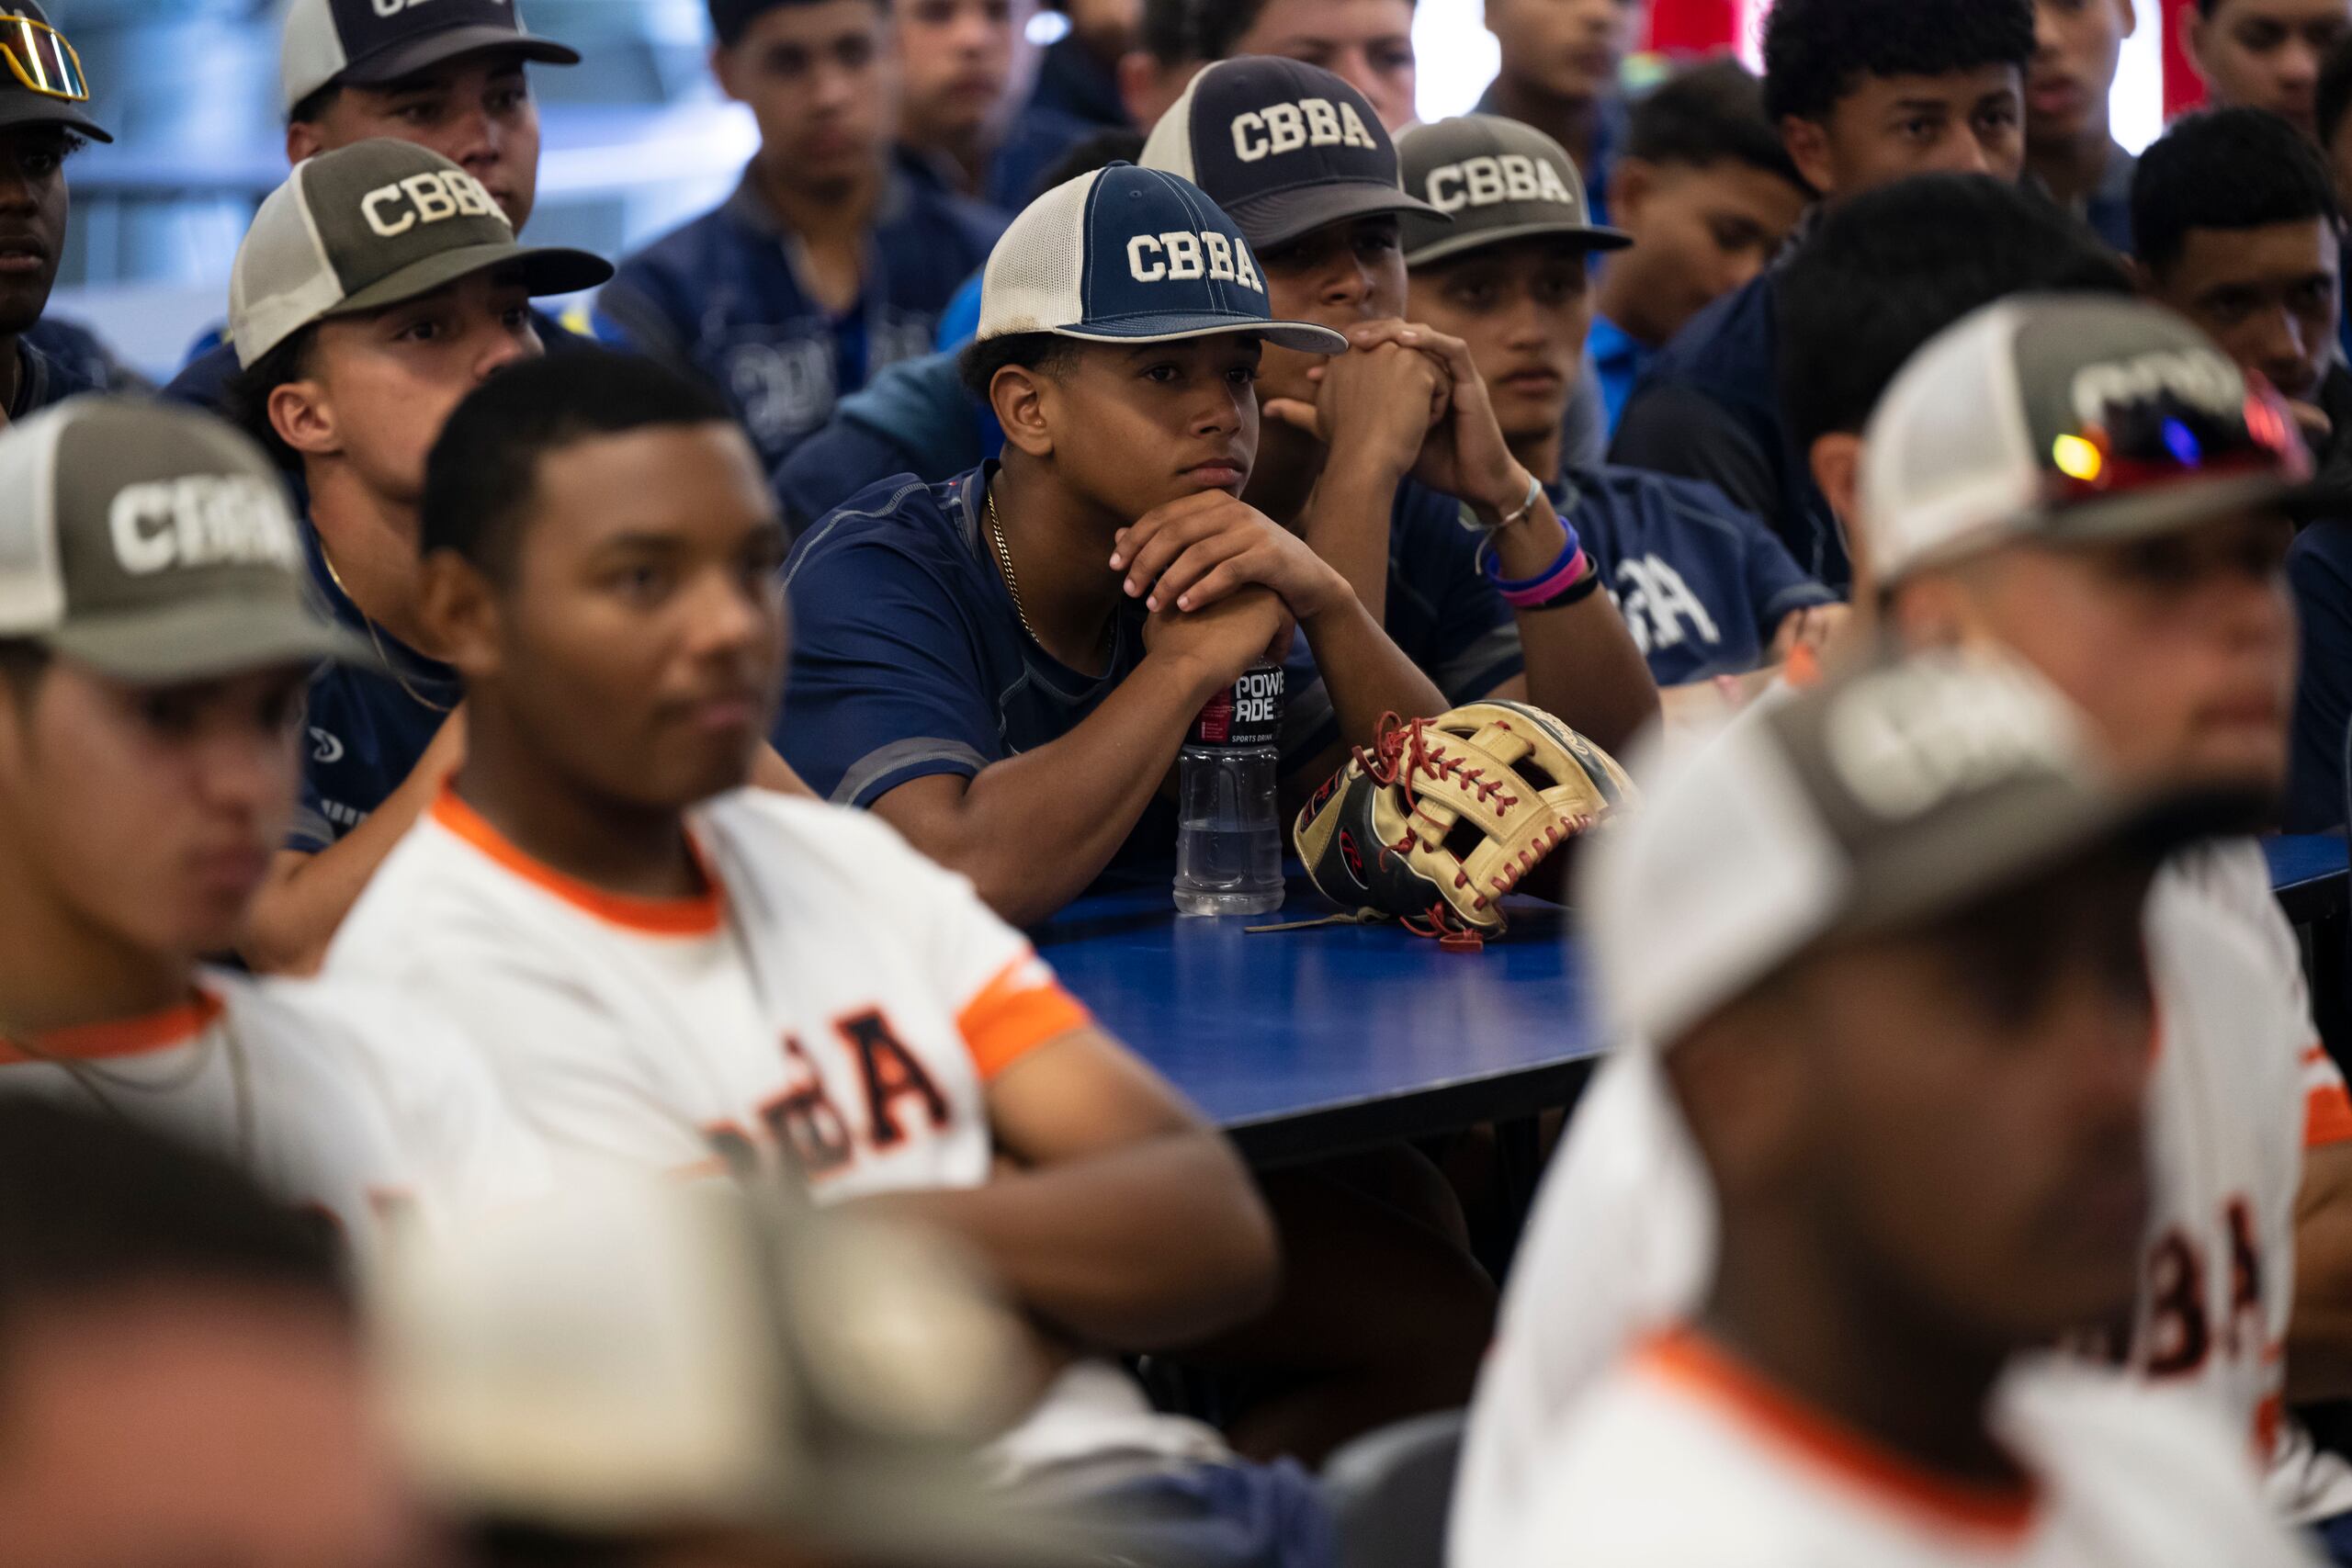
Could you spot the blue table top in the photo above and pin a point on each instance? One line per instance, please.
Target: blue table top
(1311, 1042)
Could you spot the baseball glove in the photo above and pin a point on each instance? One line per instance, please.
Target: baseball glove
(1444, 815)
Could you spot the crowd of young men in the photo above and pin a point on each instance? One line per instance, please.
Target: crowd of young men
(457, 772)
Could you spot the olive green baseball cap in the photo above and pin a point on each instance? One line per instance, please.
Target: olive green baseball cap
(153, 543)
(371, 225)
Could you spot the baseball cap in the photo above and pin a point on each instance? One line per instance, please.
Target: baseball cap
(153, 543)
(1284, 146)
(2068, 418)
(1126, 254)
(371, 225)
(632, 1354)
(41, 82)
(1884, 798)
(1498, 180)
(367, 44)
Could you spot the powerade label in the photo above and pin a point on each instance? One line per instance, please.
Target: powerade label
(1246, 714)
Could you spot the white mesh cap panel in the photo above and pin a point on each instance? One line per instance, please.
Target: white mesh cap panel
(1031, 283)
(282, 280)
(1945, 463)
(310, 54)
(1168, 148)
(33, 582)
(1725, 871)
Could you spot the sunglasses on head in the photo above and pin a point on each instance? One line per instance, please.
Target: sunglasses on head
(42, 60)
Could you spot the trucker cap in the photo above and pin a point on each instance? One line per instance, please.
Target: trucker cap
(371, 225)
(2068, 418)
(1127, 255)
(1284, 146)
(370, 42)
(1498, 180)
(153, 543)
(1884, 798)
(631, 1355)
(42, 81)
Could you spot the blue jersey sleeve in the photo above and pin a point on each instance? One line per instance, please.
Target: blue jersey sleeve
(886, 682)
(1777, 585)
(1442, 611)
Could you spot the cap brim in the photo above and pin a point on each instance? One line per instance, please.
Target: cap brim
(206, 640)
(20, 108)
(1278, 217)
(410, 55)
(2144, 514)
(547, 270)
(1588, 236)
(1952, 871)
(1304, 336)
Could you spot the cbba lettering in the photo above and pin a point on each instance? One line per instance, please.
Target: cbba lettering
(1486, 180)
(1179, 255)
(429, 197)
(201, 520)
(1287, 127)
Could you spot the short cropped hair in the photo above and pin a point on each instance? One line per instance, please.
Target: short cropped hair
(90, 1204)
(730, 20)
(482, 473)
(1218, 26)
(1818, 52)
(1168, 32)
(1710, 114)
(1885, 271)
(2335, 96)
(1048, 354)
(2224, 169)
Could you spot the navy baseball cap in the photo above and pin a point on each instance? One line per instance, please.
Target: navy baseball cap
(1284, 146)
(1127, 255)
(371, 43)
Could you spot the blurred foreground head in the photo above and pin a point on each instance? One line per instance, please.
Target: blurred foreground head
(705, 1376)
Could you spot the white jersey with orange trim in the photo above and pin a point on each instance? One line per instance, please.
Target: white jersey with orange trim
(833, 992)
(341, 1100)
(1623, 1235)
(1683, 1455)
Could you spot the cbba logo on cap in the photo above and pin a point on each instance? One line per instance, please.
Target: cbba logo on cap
(1483, 181)
(433, 197)
(2200, 378)
(1907, 740)
(1180, 255)
(201, 520)
(1287, 127)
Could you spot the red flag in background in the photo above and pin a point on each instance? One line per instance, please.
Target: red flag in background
(2183, 91)
(1693, 27)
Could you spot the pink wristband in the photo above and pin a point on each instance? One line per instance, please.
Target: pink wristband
(1545, 588)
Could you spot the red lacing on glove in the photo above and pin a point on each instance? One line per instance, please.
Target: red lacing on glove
(1404, 753)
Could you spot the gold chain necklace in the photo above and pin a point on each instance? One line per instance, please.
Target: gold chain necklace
(391, 666)
(1004, 560)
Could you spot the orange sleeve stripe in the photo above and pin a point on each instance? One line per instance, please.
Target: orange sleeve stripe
(1013, 1015)
(2327, 1117)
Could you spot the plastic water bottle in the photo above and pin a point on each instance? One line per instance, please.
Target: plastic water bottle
(1229, 840)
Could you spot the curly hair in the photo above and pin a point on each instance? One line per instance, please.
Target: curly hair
(1817, 51)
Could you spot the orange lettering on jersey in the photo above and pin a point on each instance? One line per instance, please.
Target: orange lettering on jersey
(2246, 1283)
(2179, 1334)
(890, 1073)
(806, 1119)
(2327, 1109)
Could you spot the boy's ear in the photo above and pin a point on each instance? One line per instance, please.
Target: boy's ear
(1808, 144)
(722, 61)
(1630, 186)
(1021, 398)
(304, 418)
(458, 607)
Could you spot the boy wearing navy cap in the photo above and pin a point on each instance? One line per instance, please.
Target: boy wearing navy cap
(447, 76)
(972, 661)
(1389, 460)
(1706, 587)
(829, 261)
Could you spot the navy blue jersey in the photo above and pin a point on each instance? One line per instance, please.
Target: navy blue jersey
(1710, 409)
(1618, 360)
(1071, 81)
(211, 365)
(2319, 568)
(1702, 585)
(1443, 614)
(366, 730)
(83, 355)
(721, 297)
(914, 418)
(909, 659)
(41, 380)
